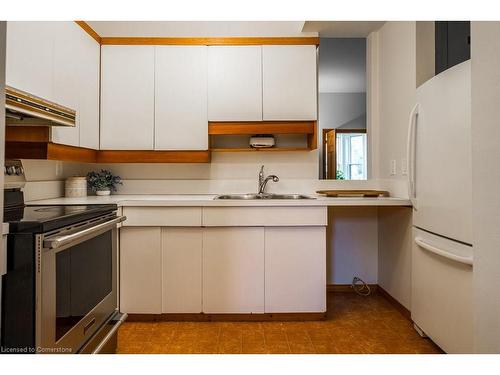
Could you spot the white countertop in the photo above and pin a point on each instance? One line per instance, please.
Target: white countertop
(208, 200)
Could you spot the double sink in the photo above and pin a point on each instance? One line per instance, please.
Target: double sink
(263, 196)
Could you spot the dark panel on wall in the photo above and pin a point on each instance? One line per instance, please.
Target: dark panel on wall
(452, 43)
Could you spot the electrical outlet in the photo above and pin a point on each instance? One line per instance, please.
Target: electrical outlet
(404, 167)
(393, 167)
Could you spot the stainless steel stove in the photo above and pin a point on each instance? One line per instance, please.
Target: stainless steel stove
(59, 294)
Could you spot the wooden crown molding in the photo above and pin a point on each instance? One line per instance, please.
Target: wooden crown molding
(229, 41)
(85, 26)
(200, 41)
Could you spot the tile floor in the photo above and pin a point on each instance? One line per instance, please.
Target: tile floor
(355, 324)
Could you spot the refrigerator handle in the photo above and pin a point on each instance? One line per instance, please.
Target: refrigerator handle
(410, 154)
(432, 249)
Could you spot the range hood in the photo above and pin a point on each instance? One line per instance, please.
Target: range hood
(22, 108)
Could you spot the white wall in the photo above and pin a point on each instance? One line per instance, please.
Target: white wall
(396, 97)
(352, 240)
(394, 252)
(45, 178)
(342, 110)
(391, 94)
(342, 65)
(485, 53)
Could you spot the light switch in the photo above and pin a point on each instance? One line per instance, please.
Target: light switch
(404, 167)
(393, 167)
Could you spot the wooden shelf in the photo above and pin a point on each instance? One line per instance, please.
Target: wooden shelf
(270, 149)
(149, 156)
(306, 128)
(261, 127)
(49, 151)
(33, 142)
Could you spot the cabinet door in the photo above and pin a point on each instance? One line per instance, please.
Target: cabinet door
(235, 83)
(289, 82)
(140, 270)
(233, 270)
(127, 97)
(181, 121)
(29, 57)
(295, 261)
(67, 83)
(181, 260)
(90, 56)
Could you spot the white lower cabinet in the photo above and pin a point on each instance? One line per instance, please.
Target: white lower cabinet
(295, 276)
(181, 268)
(233, 270)
(140, 270)
(190, 268)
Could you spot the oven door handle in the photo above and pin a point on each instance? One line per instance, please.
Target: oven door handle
(56, 242)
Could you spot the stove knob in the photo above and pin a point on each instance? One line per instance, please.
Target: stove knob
(11, 170)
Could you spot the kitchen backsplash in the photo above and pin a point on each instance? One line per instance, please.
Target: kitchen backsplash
(227, 173)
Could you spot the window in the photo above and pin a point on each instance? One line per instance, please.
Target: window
(351, 156)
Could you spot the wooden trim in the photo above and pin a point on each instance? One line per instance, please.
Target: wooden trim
(27, 133)
(70, 153)
(261, 127)
(347, 288)
(229, 41)
(89, 30)
(139, 156)
(312, 138)
(350, 130)
(48, 151)
(227, 317)
(403, 310)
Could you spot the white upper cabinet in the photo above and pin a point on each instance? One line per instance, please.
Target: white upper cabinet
(235, 83)
(29, 57)
(181, 121)
(76, 84)
(127, 97)
(289, 82)
(90, 56)
(67, 67)
(58, 61)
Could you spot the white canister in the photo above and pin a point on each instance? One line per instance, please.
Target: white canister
(75, 187)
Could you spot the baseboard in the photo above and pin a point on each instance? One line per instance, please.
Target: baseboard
(347, 288)
(403, 310)
(280, 317)
(375, 288)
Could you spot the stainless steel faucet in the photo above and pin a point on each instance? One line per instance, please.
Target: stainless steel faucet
(263, 181)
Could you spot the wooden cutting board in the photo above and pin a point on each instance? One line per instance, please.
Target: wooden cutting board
(354, 193)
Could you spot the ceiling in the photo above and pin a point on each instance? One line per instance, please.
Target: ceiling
(199, 28)
(326, 29)
(342, 29)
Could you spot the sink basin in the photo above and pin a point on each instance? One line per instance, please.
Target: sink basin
(263, 196)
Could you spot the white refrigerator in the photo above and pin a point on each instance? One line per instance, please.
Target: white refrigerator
(440, 187)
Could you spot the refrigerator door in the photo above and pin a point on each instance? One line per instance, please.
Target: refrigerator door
(441, 299)
(440, 168)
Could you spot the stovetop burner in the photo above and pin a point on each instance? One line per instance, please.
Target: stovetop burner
(39, 219)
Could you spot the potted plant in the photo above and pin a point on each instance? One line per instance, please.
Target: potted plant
(103, 182)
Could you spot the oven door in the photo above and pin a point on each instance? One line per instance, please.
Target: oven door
(76, 284)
